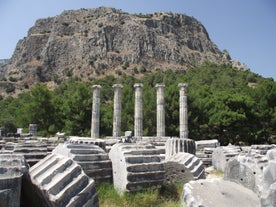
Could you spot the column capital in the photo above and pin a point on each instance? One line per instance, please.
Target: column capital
(160, 85)
(183, 87)
(138, 85)
(96, 86)
(117, 86)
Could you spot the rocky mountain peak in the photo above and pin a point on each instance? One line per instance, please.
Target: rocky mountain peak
(89, 43)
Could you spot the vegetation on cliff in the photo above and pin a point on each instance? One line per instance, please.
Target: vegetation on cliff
(229, 105)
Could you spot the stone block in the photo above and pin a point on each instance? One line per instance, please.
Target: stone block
(247, 171)
(176, 145)
(218, 193)
(136, 167)
(221, 155)
(93, 160)
(12, 168)
(58, 181)
(183, 167)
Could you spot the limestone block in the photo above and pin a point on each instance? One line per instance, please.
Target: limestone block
(246, 170)
(175, 145)
(268, 198)
(261, 149)
(271, 154)
(33, 151)
(87, 140)
(136, 166)
(218, 193)
(59, 181)
(213, 143)
(221, 155)
(93, 160)
(204, 150)
(183, 167)
(12, 168)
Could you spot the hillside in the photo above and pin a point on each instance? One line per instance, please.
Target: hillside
(90, 43)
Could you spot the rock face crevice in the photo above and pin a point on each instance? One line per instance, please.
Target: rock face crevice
(96, 41)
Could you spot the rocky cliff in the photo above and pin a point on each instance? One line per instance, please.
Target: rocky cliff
(89, 43)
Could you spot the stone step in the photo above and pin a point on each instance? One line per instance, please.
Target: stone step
(94, 157)
(46, 162)
(143, 177)
(144, 167)
(84, 151)
(95, 164)
(53, 170)
(141, 159)
(144, 152)
(137, 186)
(60, 181)
(86, 198)
(70, 191)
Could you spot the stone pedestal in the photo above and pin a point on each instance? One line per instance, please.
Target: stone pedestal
(160, 110)
(183, 110)
(117, 110)
(95, 121)
(176, 145)
(138, 114)
(33, 129)
(136, 167)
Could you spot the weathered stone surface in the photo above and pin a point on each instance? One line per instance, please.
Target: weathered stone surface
(183, 110)
(138, 111)
(87, 140)
(175, 145)
(33, 151)
(95, 116)
(246, 171)
(93, 160)
(268, 194)
(268, 198)
(204, 150)
(183, 167)
(12, 168)
(59, 181)
(221, 155)
(261, 149)
(218, 193)
(271, 154)
(136, 167)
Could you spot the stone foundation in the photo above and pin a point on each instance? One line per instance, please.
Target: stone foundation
(136, 167)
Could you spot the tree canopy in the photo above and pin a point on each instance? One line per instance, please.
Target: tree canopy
(233, 106)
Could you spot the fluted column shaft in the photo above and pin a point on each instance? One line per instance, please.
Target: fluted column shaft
(160, 110)
(138, 111)
(95, 120)
(117, 113)
(183, 110)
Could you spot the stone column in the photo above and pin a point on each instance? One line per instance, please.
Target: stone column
(183, 110)
(95, 120)
(33, 129)
(160, 110)
(117, 110)
(138, 115)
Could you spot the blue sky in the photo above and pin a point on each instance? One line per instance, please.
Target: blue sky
(245, 28)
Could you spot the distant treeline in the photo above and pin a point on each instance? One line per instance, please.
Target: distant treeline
(233, 106)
